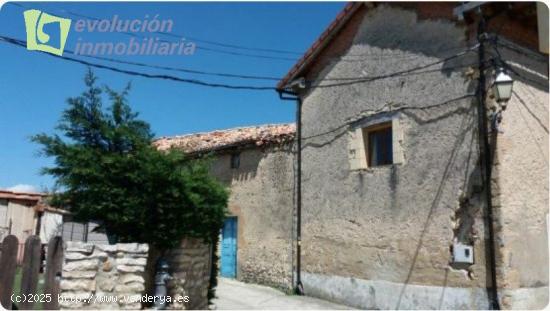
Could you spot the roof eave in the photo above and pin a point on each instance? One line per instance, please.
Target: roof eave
(319, 45)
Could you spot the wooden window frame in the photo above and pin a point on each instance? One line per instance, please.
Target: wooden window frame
(369, 130)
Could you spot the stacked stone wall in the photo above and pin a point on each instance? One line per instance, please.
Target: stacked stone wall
(103, 276)
(190, 264)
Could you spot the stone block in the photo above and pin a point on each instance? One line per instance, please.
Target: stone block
(81, 265)
(69, 304)
(75, 256)
(76, 274)
(107, 266)
(107, 248)
(128, 278)
(78, 285)
(99, 254)
(133, 287)
(132, 248)
(130, 269)
(106, 284)
(79, 247)
(131, 261)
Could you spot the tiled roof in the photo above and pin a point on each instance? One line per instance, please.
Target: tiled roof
(212, 141)
(34, 199)
(11, 195)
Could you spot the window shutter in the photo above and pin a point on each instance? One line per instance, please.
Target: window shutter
(356, 150)
(397, 142)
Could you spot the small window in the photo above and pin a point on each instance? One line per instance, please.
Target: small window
(378, 144)
(235, 160)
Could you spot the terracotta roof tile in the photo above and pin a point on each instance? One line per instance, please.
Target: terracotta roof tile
(222, 139)
(11, 195)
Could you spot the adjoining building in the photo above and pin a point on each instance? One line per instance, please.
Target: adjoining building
(25, 214)
(18, 214)
(395, 211)
(257, 165)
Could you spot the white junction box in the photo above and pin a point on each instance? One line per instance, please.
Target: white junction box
(463, 253)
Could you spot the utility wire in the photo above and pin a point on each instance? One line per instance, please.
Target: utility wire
(22, 44)
(346, 58)
(523, 51)
(146, 75)
(221, 74)
(233, 46)
(210, 49)
(384, 109)
(393, 74)
(180, 69)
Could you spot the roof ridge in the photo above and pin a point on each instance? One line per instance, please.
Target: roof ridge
(231, 129)
(22, 192)
(259, 135)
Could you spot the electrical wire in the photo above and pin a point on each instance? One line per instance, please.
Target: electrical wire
(146, 75)
(345, 58)
(396, 109)
(22, 44)
(209, 49)
(233, 46)
(523, 51)
(230, 75)
(393, 74)
(180, 69)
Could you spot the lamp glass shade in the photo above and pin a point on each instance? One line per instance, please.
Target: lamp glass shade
(503, 87)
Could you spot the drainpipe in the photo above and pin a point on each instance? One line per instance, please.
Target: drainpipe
(299, 288)
(486, 162)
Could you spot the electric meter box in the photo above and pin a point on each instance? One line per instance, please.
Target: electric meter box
(463, 253)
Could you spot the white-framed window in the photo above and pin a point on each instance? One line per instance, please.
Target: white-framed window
(376, 142)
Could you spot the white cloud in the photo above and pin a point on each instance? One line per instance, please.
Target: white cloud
(23, 188)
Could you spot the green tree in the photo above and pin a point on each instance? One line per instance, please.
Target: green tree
(107, 170)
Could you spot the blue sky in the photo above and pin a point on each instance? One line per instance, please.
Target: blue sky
(34, 86)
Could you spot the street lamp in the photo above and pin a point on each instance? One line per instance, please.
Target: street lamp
(502, 87)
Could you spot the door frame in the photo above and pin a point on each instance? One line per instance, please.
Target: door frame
(236, 219)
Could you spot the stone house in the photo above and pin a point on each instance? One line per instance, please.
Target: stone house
(18, 214)
(396, 213)
(25, 214)
(257, 165)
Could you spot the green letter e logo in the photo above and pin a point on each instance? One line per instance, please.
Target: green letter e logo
(34, 24)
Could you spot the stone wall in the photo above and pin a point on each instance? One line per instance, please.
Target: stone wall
(382, 237)
(113, 274)
(262, 199)
(190, 264)
(520, 184)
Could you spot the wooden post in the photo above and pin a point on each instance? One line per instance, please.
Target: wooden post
(31, 271)
(8, 265)
(54, 262)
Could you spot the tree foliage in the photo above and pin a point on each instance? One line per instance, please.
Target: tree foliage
(107, 170)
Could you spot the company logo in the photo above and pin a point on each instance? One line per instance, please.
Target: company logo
(37, 39)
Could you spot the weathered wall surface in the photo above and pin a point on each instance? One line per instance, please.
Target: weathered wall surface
(381, 237)
(50, 225)
(22, 216)
(520, 184)
(113, 274)
(190, 263)
(261, 196)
